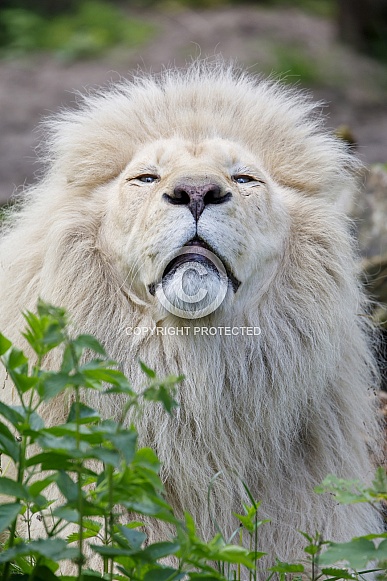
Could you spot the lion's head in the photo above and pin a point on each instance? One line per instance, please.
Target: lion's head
(205, 160)
(177, 197)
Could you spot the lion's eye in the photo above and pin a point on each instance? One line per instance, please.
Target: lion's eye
(148, 178)
(242, 179)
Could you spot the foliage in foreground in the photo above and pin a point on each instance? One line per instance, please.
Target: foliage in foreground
(99, 473)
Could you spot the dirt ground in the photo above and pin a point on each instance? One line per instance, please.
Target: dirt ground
(354, 86)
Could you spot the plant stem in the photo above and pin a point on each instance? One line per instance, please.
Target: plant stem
(111, 514)
(22, 461)
(241, 544)
(79, 483)
(79, 462)
(256, 543)
(105, 542)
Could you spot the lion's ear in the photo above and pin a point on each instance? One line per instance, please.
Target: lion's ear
(93, 159)
(86, 173)
(347, 198)
(89, 148)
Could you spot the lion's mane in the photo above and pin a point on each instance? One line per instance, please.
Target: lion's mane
(282, 411)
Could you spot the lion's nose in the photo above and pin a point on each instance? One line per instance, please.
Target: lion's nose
(197, 197)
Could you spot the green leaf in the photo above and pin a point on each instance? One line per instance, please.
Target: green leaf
(85, 415)
(56, 314)
(98, 371)
(16, 359)
(18, 417)
(35, 422)
(89, 342)
(147, 458)
(381, 551)
(125, 442)
(111, 551)
(91, 434)
(110, 457)
(380, 481)
(52, 383)
(5, 344)
(22, 381)
(214, 576)
(11, 414)
(287, 568)
(8, 513)
(66, 513)
(67, 486)
(256, 555)
(345, 491)
(312, 549)
(164, 574)
(162, 395)
(91, 525)
(88, 576)
(148, 505)
(338, 572)
(249, 519)
(135, 538)
(159, 550)
(46, 311)
(307, 537)
(45, 329)
(58, 460)
(190, 525)
(67, 360)
(357, 553)
(42, 573)
(372, 537)
(55, 549)
(234, 554)
(9, 446)
(149, 372)
(63, 444)
(73, 537)
(10, 487)
(39, 485)
(53, 336)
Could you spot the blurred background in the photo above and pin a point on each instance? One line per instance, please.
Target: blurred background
(337, 49)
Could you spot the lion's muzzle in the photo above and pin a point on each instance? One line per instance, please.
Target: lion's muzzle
(197, 196)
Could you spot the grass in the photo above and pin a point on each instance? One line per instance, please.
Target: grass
(92, 29)
(325, 8)
(292, 64)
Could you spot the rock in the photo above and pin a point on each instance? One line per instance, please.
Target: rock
(370, 214)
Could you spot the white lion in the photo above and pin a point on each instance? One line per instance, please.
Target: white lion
(234, 180)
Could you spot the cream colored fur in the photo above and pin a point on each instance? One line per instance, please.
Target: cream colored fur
(282, 409)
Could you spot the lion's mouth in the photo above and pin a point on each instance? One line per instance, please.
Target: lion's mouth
(235, 283)
(199, 257)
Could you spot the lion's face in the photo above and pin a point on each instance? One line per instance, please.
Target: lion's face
(213, 195)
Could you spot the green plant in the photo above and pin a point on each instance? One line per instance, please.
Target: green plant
(325, 8)
(293, 65)
(69, 458)
(92, 28)
(360, 551)
(95, 470)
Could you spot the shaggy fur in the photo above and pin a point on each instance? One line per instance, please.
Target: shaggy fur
(282, 409)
